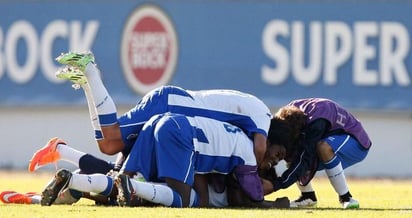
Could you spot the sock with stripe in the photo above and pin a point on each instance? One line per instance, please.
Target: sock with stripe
(336, 175)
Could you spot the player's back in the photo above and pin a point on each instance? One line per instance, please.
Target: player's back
(220, 146)
(239, 108)
(232, 101)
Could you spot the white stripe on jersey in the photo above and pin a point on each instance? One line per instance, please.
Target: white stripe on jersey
(223, 140)
(229, 101)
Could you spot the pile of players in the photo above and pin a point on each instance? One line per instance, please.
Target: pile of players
(207, 148)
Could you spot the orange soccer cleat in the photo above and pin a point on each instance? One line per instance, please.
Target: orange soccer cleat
(47, 154)
(12, 197)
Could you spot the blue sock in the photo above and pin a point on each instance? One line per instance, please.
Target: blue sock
(89, 164)
(177, 200)
(332, 163)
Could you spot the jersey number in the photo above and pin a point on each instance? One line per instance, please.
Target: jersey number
(231, 128)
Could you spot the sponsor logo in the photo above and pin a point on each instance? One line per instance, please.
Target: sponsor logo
(148, 49)
(26, 50)
(373, 53)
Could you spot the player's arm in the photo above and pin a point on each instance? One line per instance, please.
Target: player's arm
(237, 198)
(304, 160)
(267, 186)
(259, 141)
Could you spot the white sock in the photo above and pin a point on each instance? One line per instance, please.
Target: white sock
(160, 193)
(337, 178)
(97, 183)
(105, 107)
(92, 112)
(306, 188)
(35, 199)
(153, 192)
(91, 106)
(69, 154)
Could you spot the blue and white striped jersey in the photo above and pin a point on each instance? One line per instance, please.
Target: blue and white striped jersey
(217, 143)
(177, 146)
(240, 109)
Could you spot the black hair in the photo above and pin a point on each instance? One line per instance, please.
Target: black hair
(280, 133)
(295, 120)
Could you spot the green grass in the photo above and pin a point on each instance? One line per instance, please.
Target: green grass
(378, 198)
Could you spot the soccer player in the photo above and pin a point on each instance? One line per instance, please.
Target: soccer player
(171, 148)
(56, 149)
(325, 137)
(114, 134)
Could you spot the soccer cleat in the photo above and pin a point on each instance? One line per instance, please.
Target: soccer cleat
(351, 204)
(73, 74)
(55, 187)
(303, 203)
(307, 199)
(125, 190)
(12, 197)
(78, 60)
(47, 154)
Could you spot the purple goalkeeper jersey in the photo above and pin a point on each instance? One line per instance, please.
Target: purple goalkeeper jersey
(339, 118)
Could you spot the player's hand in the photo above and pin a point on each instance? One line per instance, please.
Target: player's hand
(112, 173)
(281, 203)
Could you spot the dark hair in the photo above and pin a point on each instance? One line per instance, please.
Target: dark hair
(286, 128)
(279, 132)
(295, 118)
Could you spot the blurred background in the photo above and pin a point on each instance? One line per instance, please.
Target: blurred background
(356, 53)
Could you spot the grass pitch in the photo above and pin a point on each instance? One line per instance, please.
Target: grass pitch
(377, 197)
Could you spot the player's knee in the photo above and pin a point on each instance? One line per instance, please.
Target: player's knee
(325, 151)
(108, 148)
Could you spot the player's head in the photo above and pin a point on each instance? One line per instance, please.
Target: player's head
(294, 118)
(274, 153)
(280, 133)
(286, 128)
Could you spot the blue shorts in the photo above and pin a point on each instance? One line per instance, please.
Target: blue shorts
(346, 148)
(175, 152)
(164, 149)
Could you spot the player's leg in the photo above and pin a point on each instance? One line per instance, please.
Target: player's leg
(167, 141)
(175, 154)
(67, 197)
(56, 149)
(65, 180)
(307, 197)
(158, 193)
(45, 155)
(80, 81)
(110, 140)
(12, 197)
(336, 153)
